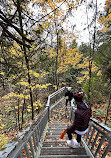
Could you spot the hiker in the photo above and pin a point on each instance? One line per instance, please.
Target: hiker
(69, 96)
(81, 121)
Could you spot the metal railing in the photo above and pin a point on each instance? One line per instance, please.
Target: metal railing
(27, 144)
(97, 140)
(54, 98)
(27, 147)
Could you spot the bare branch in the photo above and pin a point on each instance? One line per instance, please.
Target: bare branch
(48, 14)
(7, 33)
(9, 23)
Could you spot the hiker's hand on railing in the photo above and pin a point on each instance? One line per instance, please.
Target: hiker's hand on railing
(65, 130)
(63, 133)
(67, 97)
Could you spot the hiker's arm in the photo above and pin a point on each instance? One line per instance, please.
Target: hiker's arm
(73, 126)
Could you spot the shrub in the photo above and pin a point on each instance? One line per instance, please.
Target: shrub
(3, 141)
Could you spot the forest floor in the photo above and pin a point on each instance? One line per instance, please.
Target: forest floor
(99, 112)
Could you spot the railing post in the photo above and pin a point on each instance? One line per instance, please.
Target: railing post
(48, 113)
(73, 108)
(48, 106)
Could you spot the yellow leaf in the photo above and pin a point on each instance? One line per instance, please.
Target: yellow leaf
(2, 73)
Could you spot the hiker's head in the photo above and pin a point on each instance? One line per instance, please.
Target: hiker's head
(78, 97)
(81, 93)
(69, 88)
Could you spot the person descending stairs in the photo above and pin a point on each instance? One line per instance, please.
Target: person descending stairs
(55, 147)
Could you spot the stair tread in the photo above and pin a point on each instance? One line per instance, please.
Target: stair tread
(55, 124)
(54, 142)
(54, 132)
(62, 151)
(64, 156)
(62, 140)
(55, 135)
(58, 123)
(62, 147)
(58, 126)
(61, 143)
(54, 129)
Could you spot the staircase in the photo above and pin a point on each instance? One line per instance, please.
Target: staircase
(53, 146)
(42, 138)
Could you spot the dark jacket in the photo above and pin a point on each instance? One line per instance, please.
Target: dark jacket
(69, 94)
(82, 117)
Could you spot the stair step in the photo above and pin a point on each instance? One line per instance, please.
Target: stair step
(64, 156)
(54, 132)
(58, 126)
(55, 129)
(55, 137)
(55, 144)
(62, 151)
(58, 123)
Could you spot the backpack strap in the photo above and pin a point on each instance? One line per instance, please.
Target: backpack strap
(86, 104)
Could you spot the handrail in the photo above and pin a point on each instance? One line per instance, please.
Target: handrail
(98, 138)
(53, 98)
(106, 128)
(54, 94)
(27, 143)
(98, 135)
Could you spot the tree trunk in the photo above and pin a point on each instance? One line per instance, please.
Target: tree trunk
(15, 117)
(26, 58)
(107, 113)
(23, 113)
(19, 109)
(90, 75)
(91, 54)
(57, 63)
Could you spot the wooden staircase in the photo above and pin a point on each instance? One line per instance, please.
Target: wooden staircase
(54, 147)
(42, 138)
